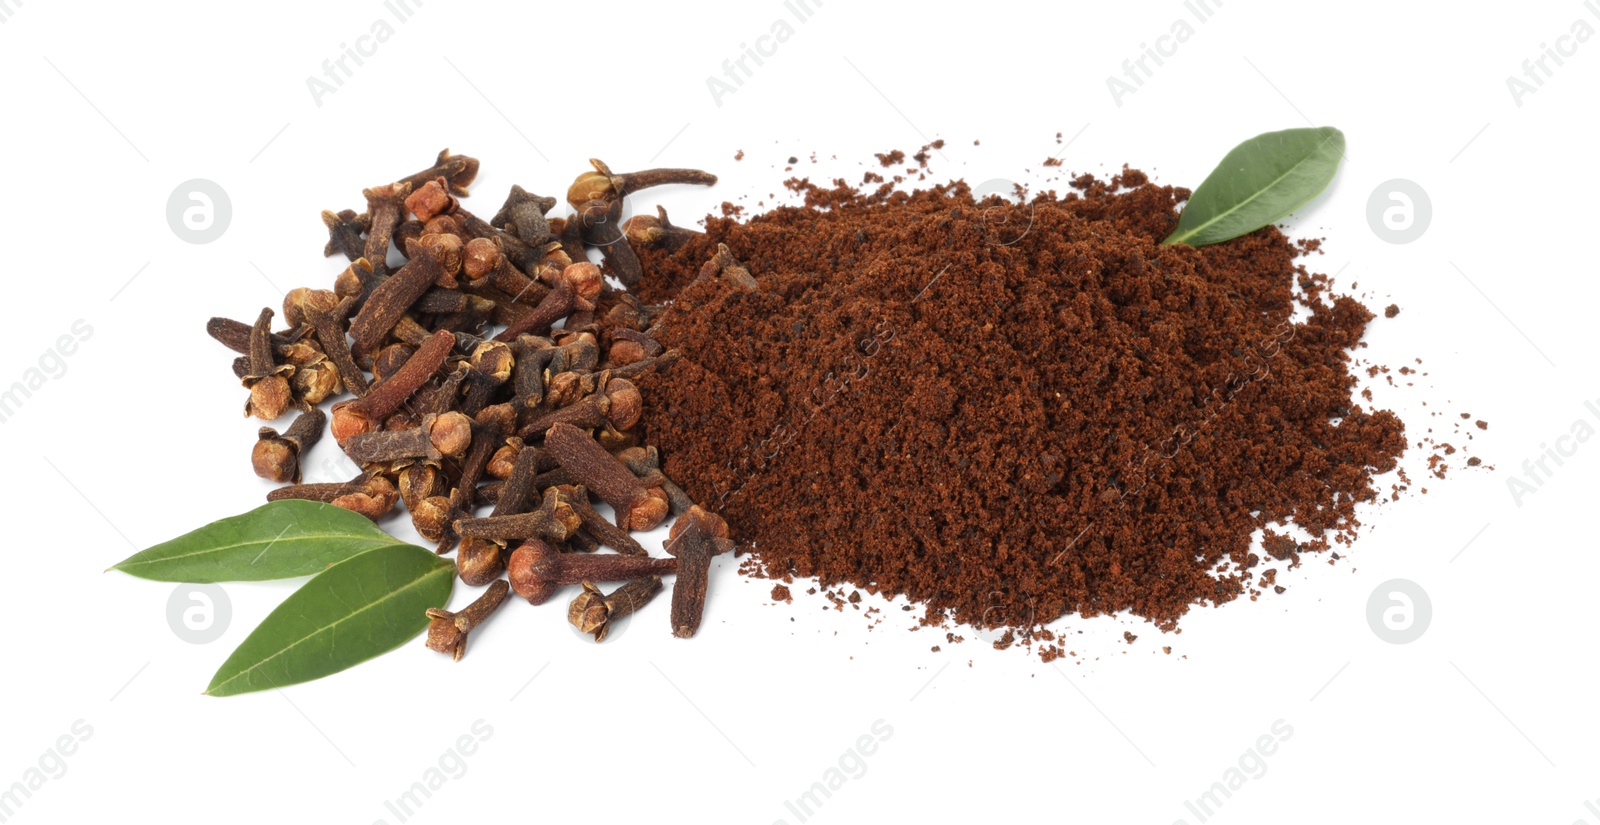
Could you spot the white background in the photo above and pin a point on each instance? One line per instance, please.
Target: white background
(1488, 717)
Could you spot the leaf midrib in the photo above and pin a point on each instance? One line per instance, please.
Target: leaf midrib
(297, 642)
(1241, 204)
(223, 548)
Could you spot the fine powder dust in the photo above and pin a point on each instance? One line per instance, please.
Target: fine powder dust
(1009, 411)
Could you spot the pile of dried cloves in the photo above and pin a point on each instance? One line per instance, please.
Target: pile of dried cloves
(477, 397)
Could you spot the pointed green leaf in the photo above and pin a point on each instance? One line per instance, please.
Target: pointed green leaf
(352, 612)
(280, 540)
(1259, 182)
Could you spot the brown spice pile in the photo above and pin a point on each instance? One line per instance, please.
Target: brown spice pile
(1012, 412)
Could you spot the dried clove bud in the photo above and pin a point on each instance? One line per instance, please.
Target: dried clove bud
(524, 213)
(656, 231)
(537, 572)
(385, 205)
(695, 538)
(620, 404)
(390, 300)
(267, 380)
(603, 184)
(554, 520)
(724, 264)
(596, 525)
(593, 611)
(344, 233)
(486, 438)
(235, 335)
(369, 495)
(301, 302)
(447, 632)
(277, 457)
(436, 437)
(578, 288)
(450, 247)
(361, 415)
(330, 333)
(458, 172)
(430, 199)
(639, 506)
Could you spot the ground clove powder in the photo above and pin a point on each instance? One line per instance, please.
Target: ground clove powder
(1013, 411)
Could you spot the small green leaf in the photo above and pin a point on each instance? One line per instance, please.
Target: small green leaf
(352, 612)
(280, 540)
(1258, 183)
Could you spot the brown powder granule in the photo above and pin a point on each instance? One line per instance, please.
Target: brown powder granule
(888, 159)
(1391, 310)
(1482, 425)
(1012, 412)
(1474, 461)
(780, 593)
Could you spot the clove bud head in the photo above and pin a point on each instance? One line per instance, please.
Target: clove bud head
(275, 458)
(377, 498)
(479, 258)
(643, 230)
(317, 382)
(625, 403)
(431, 517)
(493, 359)
(649, 511)
(442, 225)
(420, 481)
(451, 434)
(270, 396)
(590, 186)
(433, 198)
(525, 580)
(588, 611)
(450, 247)
(587, 283)
(479, 561)
(302, 302)
(504, 459)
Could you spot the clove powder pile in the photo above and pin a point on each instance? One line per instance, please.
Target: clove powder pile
(1013, 411)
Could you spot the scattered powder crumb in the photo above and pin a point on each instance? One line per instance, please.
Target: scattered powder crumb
(780, 593)
(1391, 310)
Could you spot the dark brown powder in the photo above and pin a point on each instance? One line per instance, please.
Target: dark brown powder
(1011, 412)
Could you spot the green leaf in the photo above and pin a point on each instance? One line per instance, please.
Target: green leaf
(1258, 183)
(280, 540)
(356, 610)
